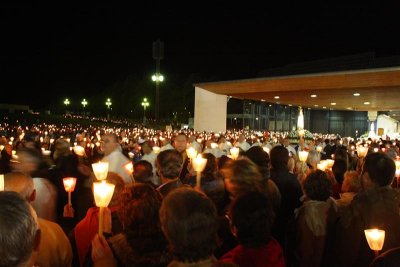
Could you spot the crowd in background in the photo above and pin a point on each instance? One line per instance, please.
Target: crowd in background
(267, 206)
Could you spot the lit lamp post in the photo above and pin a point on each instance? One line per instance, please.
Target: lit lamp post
(158, 55)
(84, 103)
(108, 104)
(145, 104)
(66, 103)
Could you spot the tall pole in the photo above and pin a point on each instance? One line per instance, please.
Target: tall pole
(158, 54)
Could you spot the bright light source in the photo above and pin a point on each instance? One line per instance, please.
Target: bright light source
(356, 94)
(367, 103)
(154, 78)
(313, 96)
(276, 97)
(333, 104)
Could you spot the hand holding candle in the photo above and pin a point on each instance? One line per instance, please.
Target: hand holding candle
(69, 185)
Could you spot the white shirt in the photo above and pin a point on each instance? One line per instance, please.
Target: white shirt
(116, 161)
(243, 145)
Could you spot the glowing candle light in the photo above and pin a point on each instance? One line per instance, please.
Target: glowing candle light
(100, 170)
(156, 149)
(375, 239)
(234, 152)
(303, 155)
(266, 149)
(1, 182)
(199, 164)
(80, 151)
(69, 186)
(103, 193)
(319, 149)
(191, 152)
(128, 167)
(362, 151)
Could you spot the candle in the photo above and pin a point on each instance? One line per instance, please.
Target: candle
(199, 164)
(362, 151)
(100, 170)
(321, 166)
(303, 155)
(103, 193)
(1, 182)
(46, 152)
(234, 152)
(375, 239)
(319, 149)
(191, 152)
(80, 151)
(329, 163)
(156, 149)
(69, 186)
(266, 149)
(129, 167)
(1, 147)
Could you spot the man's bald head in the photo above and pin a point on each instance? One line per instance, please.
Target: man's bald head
(20, 183)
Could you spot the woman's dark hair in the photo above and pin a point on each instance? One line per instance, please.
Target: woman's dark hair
(279, 158)
(261, 158)
(138, 210)
(211, 167)
(380, 167)
(253, 216)
(317, 186)
(189, 222)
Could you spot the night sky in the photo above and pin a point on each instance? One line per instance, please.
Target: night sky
(57, 51)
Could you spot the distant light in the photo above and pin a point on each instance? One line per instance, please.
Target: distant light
(290, 105)
(356, 94)
(161, 78)
(349, 108)
(313, 96)
(323, 107)
(262, 100)
(257, 119)
(333, 104)
(154, 78)
(316, 106)
(276, 97)
(367, 103)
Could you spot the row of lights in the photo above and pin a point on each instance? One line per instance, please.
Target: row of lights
(314, 96)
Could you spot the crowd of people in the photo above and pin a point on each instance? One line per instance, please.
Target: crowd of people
(279, 202)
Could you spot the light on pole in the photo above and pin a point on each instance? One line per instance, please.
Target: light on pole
(158, 55)
(145, 104)
(66, 103)
(108, 104)
(84, 103)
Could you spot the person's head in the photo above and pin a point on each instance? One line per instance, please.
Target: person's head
(279, 158)
(242, 176)
(61, 148)
(378, 170)
(339, 168)
(169, 164)
(313, 158)
(142, 171)
(180, 142)
(146, 147)
(241, 138)
(19, 231)
(138, 212)
(317, 186)
(251, 217)
(285, 142)
(109, 142)
(351, 182)
(118, 181)
(261, 158)
(28, 161)
(211, 165)
(189, 222)
(20, 183)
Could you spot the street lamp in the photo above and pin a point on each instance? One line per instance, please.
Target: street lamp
(108, 104)
(66, 103)
(145, 104)
(84, 103)
(158, 55)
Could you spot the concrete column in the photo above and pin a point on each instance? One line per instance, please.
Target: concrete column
(209, 111)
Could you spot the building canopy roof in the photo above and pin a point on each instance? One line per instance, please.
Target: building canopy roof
(357, 90)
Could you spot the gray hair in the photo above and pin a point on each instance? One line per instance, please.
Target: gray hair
(18, 230)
